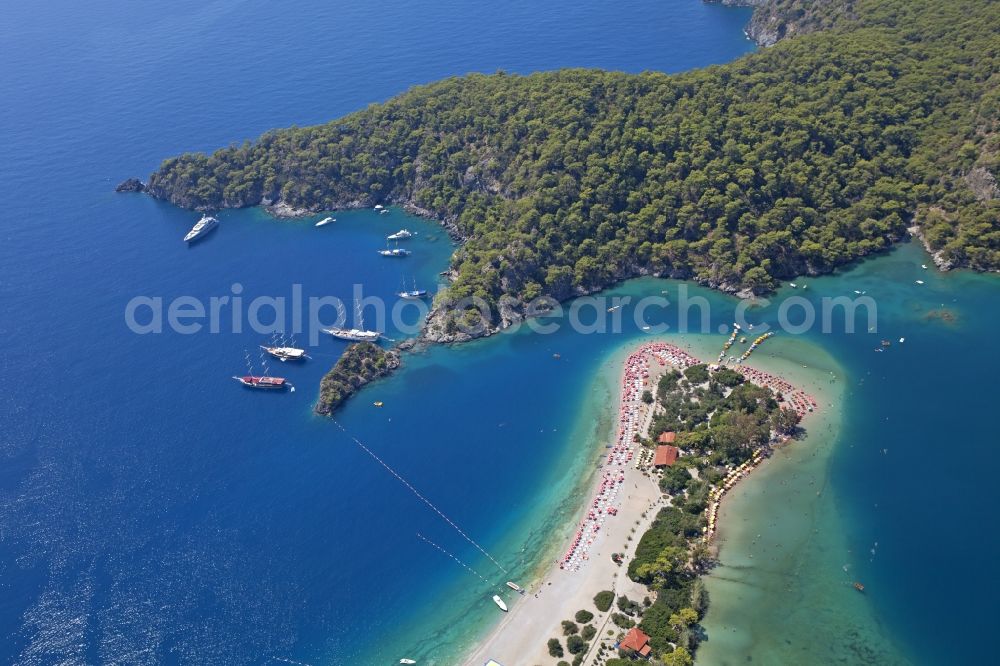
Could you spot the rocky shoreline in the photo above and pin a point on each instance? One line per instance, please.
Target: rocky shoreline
(360, 364)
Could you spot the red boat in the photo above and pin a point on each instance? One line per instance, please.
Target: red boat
(265, 382)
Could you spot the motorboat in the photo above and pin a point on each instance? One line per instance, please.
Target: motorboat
(402, 234)
(201, 228)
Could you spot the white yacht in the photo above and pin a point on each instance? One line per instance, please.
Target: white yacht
(283, 353)
(202, 227)
(325, 221)
(499, 602)
(402, 234)
(353, 334)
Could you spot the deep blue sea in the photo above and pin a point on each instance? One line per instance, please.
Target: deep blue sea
(152, 511)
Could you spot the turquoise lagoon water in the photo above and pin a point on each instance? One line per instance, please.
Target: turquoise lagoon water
(153, 512)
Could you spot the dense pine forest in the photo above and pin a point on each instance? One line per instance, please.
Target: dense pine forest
(868, 117)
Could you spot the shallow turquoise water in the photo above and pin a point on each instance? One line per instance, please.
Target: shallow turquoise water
(152, 512)
(902, 504)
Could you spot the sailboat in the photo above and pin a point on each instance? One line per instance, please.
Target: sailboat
(284, 351)
(353, 334)
(264, 381)
(412, 294)
(394, 252)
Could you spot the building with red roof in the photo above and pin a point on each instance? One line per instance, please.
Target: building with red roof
(637, 641)
(665, 456)
(667, 437)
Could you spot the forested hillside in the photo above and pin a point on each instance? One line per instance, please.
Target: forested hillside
(796, 159)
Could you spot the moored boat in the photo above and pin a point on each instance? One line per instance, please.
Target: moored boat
(394, 252)
(499, 602)
(201, 227)
(353, 334)
(402, 234)
(407, 661)
(325, 221)
(514, 586)
(286, 353)
(263, 382)
(412, 294)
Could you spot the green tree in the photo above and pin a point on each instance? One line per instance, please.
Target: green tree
(575, 644)
(679, 657)
(683, 618)
(603, 600)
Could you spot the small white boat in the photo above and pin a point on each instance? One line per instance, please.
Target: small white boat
(792, 285)
(325, 221)
(407, 661)
(384, 211)
(499, 602)
(402, 234)
(920, 281)
(201, 227)
(379, 206)
(924, 266)
(514, 586)
(856, 291)
(902, 339)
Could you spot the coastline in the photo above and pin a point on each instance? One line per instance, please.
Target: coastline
(545, 586)
(765, 524)
(554, 595)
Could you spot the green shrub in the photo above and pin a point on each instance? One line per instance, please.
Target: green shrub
(603, 600)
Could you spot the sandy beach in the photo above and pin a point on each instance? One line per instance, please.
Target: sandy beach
(521, 637)
(570, 583)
